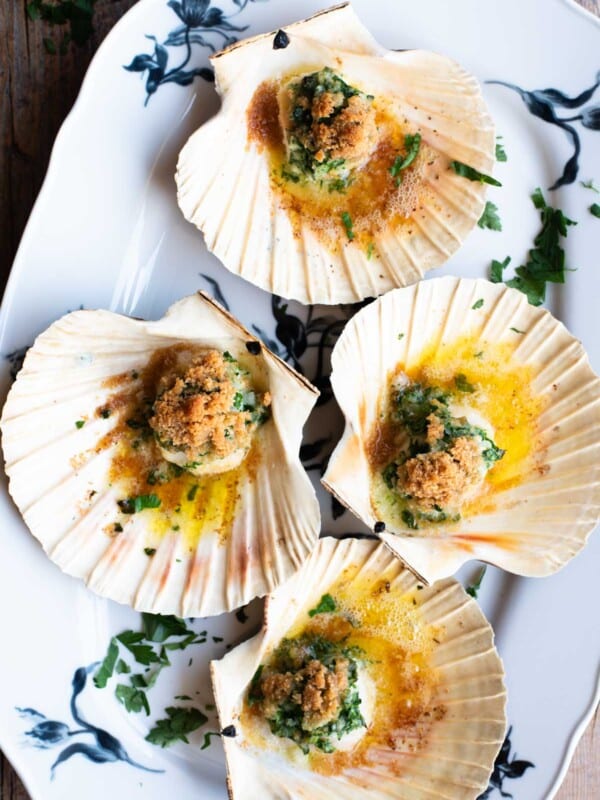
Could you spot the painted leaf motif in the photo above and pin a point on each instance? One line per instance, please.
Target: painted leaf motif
(564, 101)
(590, 118)
(49, 733)
(95, 754)
(141, 63)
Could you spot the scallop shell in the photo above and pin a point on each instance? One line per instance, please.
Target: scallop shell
(224, 179)
(534, 526)
(453, 759)
(59, 472)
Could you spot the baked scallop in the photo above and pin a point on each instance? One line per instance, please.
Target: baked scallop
(472, 429)
(362, 683)
(159, 460)
(327, 174)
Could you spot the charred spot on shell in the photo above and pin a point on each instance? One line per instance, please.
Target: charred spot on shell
(280, 40)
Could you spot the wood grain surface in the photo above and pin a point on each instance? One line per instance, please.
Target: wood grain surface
(36, 92)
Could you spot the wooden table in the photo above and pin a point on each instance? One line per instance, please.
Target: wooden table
(37, 90)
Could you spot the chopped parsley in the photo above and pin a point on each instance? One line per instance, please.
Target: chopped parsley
(80, 423)
(150, 551)
(490, 219)
(590, 185)
(477, 304)
(133, 505)
(325, 605)
(500, 151)
(132, 698)
(412, 143)
(463, 385)
(178, 723)
(474, 588)
(472, 174)
(192, 492)
(400, 336)
(595, 210)
(107, 666)
(516, 330)
(546, 260)
(348, 225)
(370, 249)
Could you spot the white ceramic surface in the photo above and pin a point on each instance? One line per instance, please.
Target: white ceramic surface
(106, 232)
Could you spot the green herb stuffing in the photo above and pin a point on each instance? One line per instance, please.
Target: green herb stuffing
(546, 260)
(490, 219)
(287, 719)
(472, 174)
(325, 605)
(176, 726)
(413, 405)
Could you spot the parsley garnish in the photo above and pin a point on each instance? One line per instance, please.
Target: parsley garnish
(207, 737)
(133, 699)
(546, 260)
(477, 304)
(412, 143)
(370, 248)
(595, 210)
(150, 551)
(516, 330)
(324, 606)
(500, 151)
(408, 518)
(463, 385)
(472, 174)
(107, 667)
(590, 185)
(133, 505)
(80, 423)
(192, 492)
(490, 219)
(347, 222)
(474, 588)
(400, 336)
(179, 722)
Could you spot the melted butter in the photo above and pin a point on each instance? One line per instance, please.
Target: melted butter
(503, 397)
(373, 200)
(385, 622)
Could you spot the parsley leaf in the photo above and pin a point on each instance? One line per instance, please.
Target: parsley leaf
(179, 722)
(472, 174)
(546, 259)
(107, 667)
(347, 222)
(595, 210)
(489, 218)
(207, 737)
(325, 605)
(143, 653)
(590, 185)
(133, 699)
(79, 424)
(500, 151)
(133, 505)
(158, 627)
(412, 143)
(477, 304)
(463, 385)
(474, 588)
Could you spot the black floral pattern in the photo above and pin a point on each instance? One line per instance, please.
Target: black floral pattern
(202, 24)
(45, 733)
(542, 102)
(505, 768)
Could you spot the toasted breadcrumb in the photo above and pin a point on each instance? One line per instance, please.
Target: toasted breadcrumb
(317, 690)
(442, 478)
(194, 412)
(435, 429)
(351, 134)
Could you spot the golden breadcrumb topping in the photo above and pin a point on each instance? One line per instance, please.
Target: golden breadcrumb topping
(351, 134)
(442, 478)
(318, 691)
(435, 429)
(195, 411)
